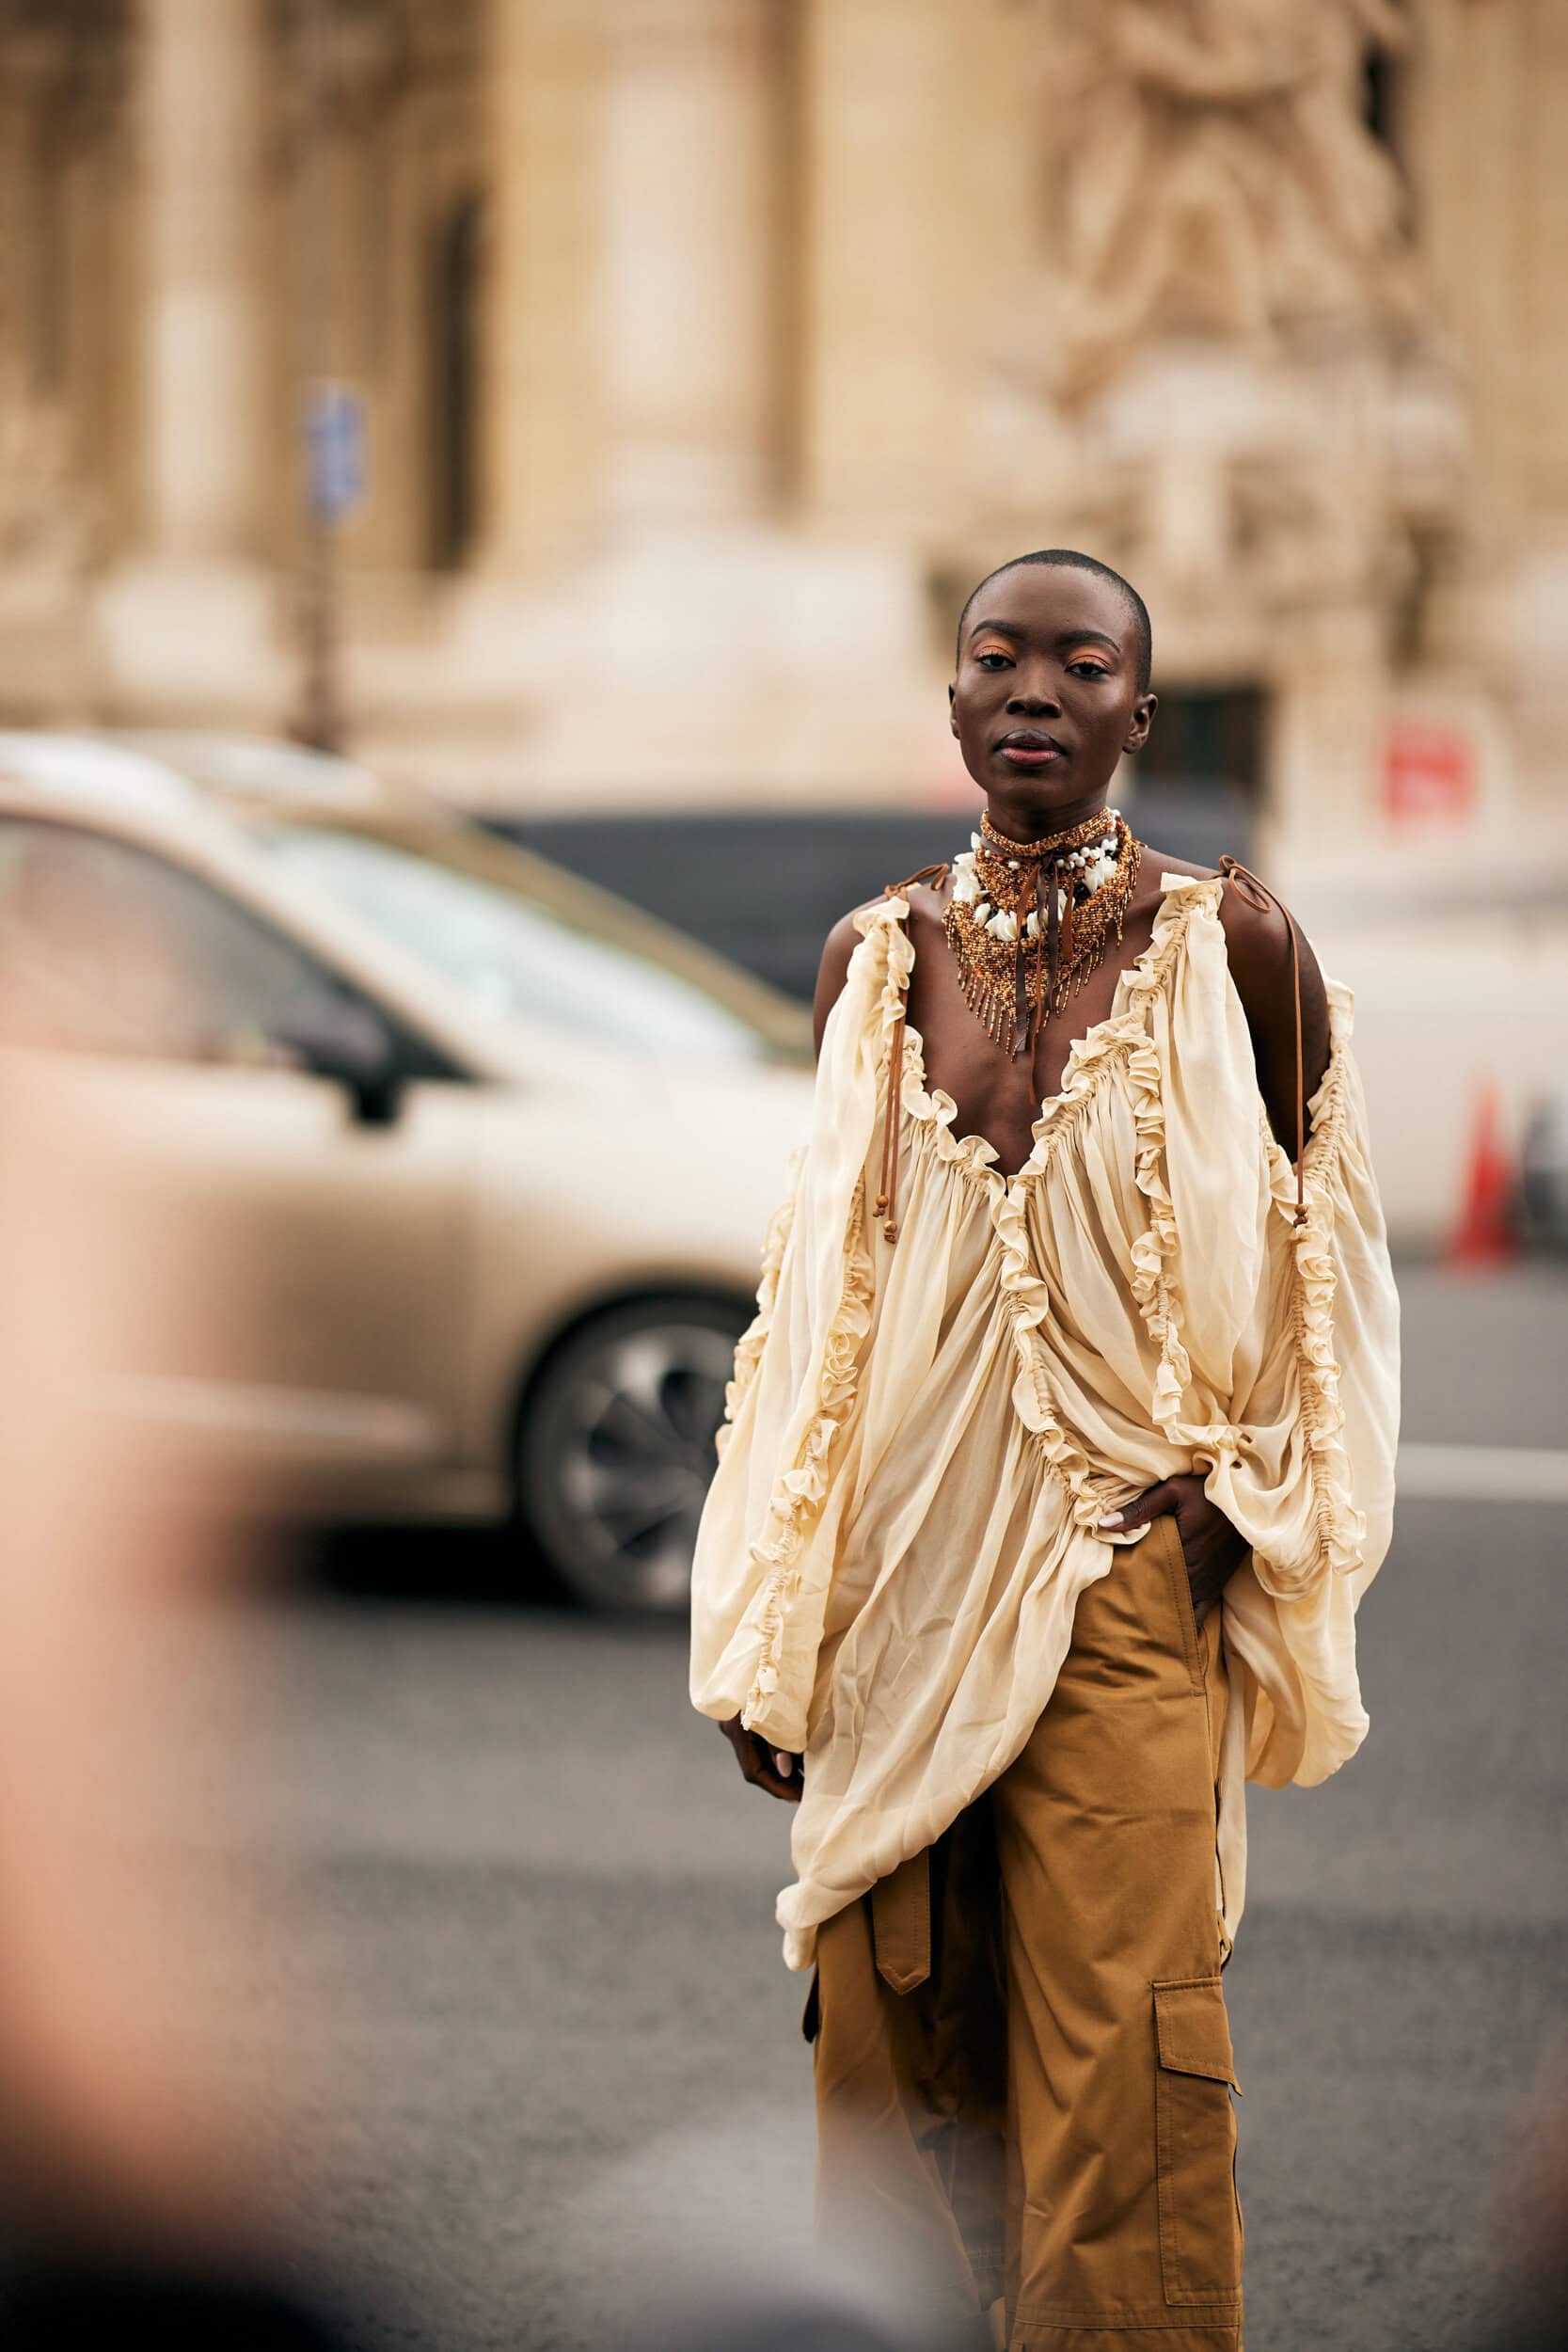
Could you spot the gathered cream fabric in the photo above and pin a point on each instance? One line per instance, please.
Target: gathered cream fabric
(921, 1436)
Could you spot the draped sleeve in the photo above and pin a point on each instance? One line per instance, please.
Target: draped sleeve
(1290, 1408)
(766, 1546)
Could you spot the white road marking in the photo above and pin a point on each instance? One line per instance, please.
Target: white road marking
(1483, 1473)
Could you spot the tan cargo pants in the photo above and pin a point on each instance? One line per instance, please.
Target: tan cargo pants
(1022, 2062)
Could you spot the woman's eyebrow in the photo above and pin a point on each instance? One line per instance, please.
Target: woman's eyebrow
(1063, 637)
(1089, 637)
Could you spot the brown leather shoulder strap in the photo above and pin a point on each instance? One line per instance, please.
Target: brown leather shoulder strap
(927, 873)
(1255, 893)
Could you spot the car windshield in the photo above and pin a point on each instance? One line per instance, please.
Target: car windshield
(510, 952)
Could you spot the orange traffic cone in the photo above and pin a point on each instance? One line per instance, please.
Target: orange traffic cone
(1485, 1234)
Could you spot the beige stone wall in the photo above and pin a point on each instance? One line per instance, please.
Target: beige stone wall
(791, 317)
(772, 293)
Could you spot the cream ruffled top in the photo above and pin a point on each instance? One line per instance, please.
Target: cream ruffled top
(921, 1436)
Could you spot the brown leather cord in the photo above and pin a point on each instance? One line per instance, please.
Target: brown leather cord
(1239, 876)
(1054, 941)
(887, 1199)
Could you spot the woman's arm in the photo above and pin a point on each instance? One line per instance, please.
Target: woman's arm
(833, 972)
(776, 1770)
(1257, 940)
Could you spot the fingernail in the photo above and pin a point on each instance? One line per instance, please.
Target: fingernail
(1113, 1519)
(784, 1763)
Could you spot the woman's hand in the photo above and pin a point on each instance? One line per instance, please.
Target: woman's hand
(773, 1768)
(1210, 1545)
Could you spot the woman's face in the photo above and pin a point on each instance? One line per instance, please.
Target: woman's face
(1046, 699)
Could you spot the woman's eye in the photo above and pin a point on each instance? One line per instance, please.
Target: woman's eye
(1089, 669)
(989, 661)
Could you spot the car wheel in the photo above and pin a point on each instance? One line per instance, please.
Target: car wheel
(615, 1448)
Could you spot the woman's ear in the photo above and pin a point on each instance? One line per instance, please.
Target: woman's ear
(1143, 718)
(952, 710)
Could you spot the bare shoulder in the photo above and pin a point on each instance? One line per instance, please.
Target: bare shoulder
(833, 970)
(1271, 961)
(926, 902)
(1257, 936)
(1153, 866)
(1157, 862)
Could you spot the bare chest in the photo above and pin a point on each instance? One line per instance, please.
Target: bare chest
(998, 1095)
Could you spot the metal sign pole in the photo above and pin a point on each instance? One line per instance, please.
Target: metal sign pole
(320, 720)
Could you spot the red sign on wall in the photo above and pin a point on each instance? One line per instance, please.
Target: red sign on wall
(1429, 775)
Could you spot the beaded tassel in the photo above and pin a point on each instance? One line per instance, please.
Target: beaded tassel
(1024, 939)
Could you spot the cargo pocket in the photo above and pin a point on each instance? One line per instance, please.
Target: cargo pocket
(1200, 2218)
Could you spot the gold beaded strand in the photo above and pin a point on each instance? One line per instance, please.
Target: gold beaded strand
(1029, 921)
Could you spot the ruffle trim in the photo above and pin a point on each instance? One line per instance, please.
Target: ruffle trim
(1155, 1250)
(800, 1489)
(798, 1497)
(890, 915)
(1341, 1528)
(752, 1341)
(1121, 1037)
(1122, 1040)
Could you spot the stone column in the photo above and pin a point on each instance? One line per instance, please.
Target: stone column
(912, 203)
(202, 71)
(186, 620)
(538, 403)
(670, 212)
(687, 170)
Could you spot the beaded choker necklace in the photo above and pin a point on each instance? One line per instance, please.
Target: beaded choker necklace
(1028, 921)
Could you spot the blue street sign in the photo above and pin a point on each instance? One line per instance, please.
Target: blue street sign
(334, 438)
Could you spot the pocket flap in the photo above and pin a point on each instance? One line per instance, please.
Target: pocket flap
(1192, 2029)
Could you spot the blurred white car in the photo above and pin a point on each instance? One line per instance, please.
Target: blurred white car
(474, 1160)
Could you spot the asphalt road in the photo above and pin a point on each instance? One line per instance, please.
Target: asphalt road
(516, 2023)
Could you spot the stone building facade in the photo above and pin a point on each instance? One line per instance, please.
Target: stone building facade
(698, 353)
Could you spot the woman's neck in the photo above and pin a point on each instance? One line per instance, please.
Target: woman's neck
(1042, 822)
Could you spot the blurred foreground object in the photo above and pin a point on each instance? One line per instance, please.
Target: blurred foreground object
(470, 1163)
(1532, 2210)
(133, 2182)
(68, 2306)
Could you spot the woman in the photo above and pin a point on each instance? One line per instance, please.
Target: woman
(1058, 1458)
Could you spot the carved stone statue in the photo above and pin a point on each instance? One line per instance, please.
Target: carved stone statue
(1213, 175)
(1231, 381)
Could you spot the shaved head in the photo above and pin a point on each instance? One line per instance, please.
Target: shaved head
(1069, 559)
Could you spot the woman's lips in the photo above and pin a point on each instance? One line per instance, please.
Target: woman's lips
(1029, 755)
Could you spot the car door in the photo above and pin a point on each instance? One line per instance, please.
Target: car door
(322, 1237)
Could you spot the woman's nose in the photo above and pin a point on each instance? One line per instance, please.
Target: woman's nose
(1034, 696)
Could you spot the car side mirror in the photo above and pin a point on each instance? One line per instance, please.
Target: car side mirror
(346, 1042)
